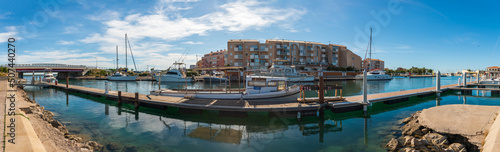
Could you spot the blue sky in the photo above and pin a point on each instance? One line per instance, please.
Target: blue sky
(442, 35)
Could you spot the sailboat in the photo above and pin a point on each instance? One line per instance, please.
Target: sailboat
(119, 76)
(374, 74)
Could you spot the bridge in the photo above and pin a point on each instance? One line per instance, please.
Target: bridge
(63, 70)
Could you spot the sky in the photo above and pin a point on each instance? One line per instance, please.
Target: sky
(442, 35)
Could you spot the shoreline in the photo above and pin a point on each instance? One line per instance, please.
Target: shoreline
(448, 127)
(52, 133)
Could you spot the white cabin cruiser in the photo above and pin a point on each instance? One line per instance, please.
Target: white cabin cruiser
(289, 72)
(48, 77)
(173, 75)
(121, 77)
(374, 75)
(257, 88)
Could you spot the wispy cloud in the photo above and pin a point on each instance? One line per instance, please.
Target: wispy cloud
(62, 42)
(4, 15)
(421, 5)
(402, 46)
(11, 32)
(71, 29)
(191, 42)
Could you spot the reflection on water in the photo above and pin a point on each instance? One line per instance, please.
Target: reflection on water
(122, 128)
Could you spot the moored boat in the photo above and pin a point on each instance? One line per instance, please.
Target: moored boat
(257, 88)
(374, 75)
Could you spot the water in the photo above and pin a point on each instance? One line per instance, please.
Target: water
(169, 130)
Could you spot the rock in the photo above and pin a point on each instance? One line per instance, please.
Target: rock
(406, 120)
(113, 146)
(393, 145)
(447, 150)
(425, 131)
(63, 129)
(94, 145)
(130, 149)
(436, 139)
(457, 147)
(412, 128)
(55, 124)
(408, 149)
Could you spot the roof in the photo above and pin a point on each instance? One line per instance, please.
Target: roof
(375, 60)
(242, 40)
(493, 67)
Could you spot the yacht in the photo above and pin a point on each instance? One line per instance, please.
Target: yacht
(174, 74)
(121, 77)
(289, 72)
(48, 77)
(257, 88)
(374, 75)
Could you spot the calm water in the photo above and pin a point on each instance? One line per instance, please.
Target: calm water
(170, 130)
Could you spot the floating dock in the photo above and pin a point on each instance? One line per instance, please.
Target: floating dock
(351, 103)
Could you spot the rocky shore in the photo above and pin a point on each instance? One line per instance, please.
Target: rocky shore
(53, 134)
(417, 137)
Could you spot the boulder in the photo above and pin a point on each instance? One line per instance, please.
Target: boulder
(412, 128)
(436, 139)
(457, 147)
(406, 120)
(408, 149)
(393, 145)
(94, 145)
(415, 143)
(55, 124)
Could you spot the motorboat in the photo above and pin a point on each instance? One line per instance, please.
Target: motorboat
(289, 72)
(490, 81)
(374, 75)
(121, 77)
(48, 77)
(257, 88)
(215, 77)
(173, 75)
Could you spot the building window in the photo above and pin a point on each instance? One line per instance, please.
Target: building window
(231, 54)
(230, 46)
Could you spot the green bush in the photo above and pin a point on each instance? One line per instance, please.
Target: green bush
(4, 69)
(189, 74)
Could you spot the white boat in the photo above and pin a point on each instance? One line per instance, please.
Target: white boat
(215, 77)
(173, 75)
(490, 81)
(289, 72)
(121, 77)
(374, 75)
(257, 88)
(48, 77)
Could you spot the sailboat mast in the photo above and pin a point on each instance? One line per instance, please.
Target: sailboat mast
(126, 64)
(370, 59)
(117, 58)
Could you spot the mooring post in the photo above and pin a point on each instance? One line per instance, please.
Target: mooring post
(67, 82)
(321, 88)
(365, 93)
(459, 82)
(478, 78)
(438, 83)
(464, 78)
(106, 87)
(136, 100)
(159, 82)
(119, 98)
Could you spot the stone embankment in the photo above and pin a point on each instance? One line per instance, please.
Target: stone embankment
(53, 134)
(449, 128)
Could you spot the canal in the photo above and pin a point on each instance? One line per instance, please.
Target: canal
(123, 129)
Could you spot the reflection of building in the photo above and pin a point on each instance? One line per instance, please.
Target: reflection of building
(373, 64)
(213, 59)
(258, 55)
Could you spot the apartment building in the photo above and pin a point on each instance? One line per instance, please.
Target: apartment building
(373, 64)
(257, 55)
(213, 59)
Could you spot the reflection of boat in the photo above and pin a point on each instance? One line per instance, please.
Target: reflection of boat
(374, 75)
(289, 72)
(257, 88)
(174, 75)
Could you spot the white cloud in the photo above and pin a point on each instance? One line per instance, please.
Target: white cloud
(71, 29)
(11, 33)
(4, 15)
(166, 24)
(191, 42)
(62, 42)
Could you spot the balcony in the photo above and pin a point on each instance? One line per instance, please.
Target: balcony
(252, 49)
(238, 56)
(266, 64)
(278, 53)
(301, 54)
(323, 50)
(323, 55)
(288, 53)
(235, 49)
(312, 54)
(324, 61)
(253, 64)
(267, 49)
(301, 60)
(266, 57)
(278, 46)
(236, 64)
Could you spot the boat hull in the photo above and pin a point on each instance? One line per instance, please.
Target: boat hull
(292, 93)
(300, 79)
(172, 79)
(123, 78)
(374, 77)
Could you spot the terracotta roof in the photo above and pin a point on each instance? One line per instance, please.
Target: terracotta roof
(374, 59)
(493, 67)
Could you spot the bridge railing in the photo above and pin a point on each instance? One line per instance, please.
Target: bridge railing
(50, 66)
